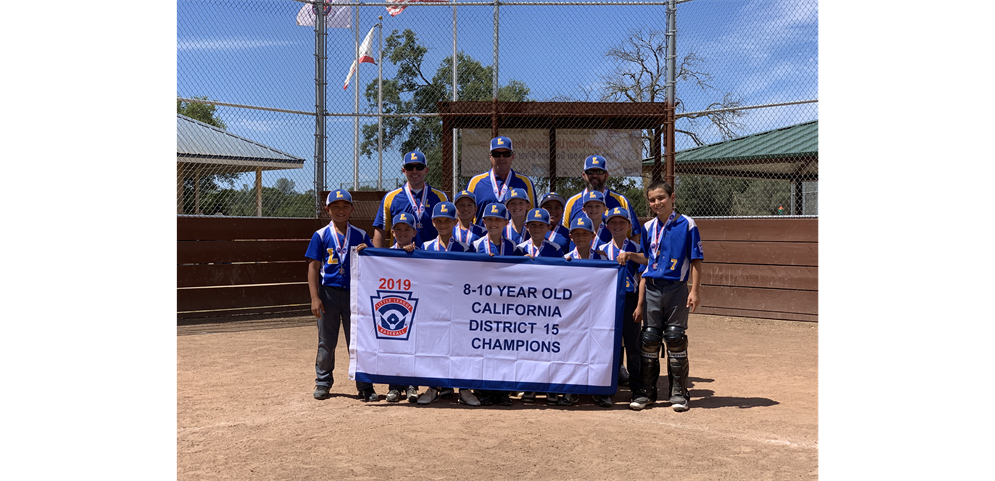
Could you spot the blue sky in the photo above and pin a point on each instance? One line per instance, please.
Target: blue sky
(761, 51)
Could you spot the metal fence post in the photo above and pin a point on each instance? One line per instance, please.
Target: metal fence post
(671, 94)
(319, 108)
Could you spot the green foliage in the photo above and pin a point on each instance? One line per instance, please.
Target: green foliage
(716, 196)
(202, 112)
(411, 91)
(242, 202)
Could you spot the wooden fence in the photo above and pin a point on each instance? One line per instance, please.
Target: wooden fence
(766, 268)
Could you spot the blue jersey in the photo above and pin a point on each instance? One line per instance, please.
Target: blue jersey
(679, 245)
(556, 238)
(454, 245)
(470, 235)
(507, 248)
(630, 266)
(335, 261)
(396, 201)
(546, 249)
(514, 235)
(603, 236)
(613, 199)
(483, 190)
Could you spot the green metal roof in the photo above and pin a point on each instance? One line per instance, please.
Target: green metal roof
(782, 153)
(801, 140)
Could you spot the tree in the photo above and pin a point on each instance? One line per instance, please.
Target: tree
(640, 75)
(411, 91)
(284, 185)
(208, 183)
(202, 112)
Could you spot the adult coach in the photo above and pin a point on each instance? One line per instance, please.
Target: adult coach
(495, 185)
(596, 179)
(415, 197)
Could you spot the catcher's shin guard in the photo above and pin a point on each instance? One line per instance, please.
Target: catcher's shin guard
(650, 340)
(677, 364)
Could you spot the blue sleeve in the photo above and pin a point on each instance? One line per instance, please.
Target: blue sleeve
(367, 240)
(314, 248)
(695, 240)
(644, 247)
(378, 220)
(637, 228)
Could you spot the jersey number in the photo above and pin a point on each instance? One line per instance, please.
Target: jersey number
(674, 265)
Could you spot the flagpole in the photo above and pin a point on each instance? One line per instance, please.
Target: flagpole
(319, 93)
(455, 98)
(380, 105)
(355, 122)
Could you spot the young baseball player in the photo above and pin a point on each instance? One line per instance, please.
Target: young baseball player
(495, 219)
(617, 220)
(672, 247)
(444, 220)
(403, 231)
(328, 283)
(595, 208)
(538, 223)
(518, 207)
(466, 208)
(559, 235)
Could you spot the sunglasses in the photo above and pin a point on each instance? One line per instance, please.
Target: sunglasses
(595, 172)
(506, 153)
(418, 167)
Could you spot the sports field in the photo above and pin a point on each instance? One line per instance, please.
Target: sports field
(245, 411)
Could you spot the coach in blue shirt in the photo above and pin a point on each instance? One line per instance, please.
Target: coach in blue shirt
(495, 185)
(416, 197)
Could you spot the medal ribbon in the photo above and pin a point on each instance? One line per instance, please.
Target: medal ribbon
(657, 233)
(438, 244)
(504, 188)
(418, 208)
(487, 245)
(340, 250)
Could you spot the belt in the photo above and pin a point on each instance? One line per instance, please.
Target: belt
(650, 281)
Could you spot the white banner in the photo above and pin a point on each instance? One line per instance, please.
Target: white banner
(471, 321)
(622, 148)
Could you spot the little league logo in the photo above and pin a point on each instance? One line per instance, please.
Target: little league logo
(393, 314)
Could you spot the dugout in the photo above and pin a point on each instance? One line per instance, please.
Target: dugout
(554, 116)
(203, 149)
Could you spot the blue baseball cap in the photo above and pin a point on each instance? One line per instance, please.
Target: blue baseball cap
(582, 222)
(465, 193)
(496, 210)
(338, 194)
(537, 215)
(596, 162)
(405, 218)
(617, 212)
(501, 143)
(517, 193)
(413, 158)
(552, 196)
(444, 209)
(594, 196)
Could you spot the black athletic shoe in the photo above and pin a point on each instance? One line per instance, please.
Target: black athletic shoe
(412, 394)
(503, 399)
(321, 392)
(446, 393)
(679, 399)
(528, 397)
(369, 396)
(603, 401)
(552, 398)
(623, 376)
(569, 399)
(486, 399)
(640, 400)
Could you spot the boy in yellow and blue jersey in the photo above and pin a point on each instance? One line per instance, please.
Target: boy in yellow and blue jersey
(466, 208)
(518, 207)
(404, 232)
(558, 234)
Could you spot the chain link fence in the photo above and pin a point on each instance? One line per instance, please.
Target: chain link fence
(573, 79)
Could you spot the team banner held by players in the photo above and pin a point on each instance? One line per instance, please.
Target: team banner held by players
(467, 320)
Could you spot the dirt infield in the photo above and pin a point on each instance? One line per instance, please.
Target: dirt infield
(245, 411)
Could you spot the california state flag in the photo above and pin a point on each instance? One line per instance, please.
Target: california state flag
(365, 56)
